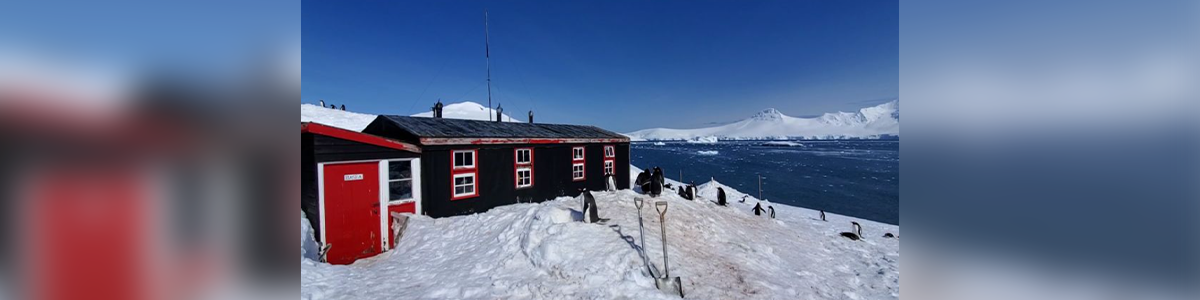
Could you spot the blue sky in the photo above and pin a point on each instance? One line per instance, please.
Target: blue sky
(621, 65)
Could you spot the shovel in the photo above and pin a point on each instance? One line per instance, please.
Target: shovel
(666, 283)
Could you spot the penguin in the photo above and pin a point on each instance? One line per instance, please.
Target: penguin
(758, 210)
(889, 235)
(721, 197)
(854, 236)
(343, 107)
(823, 216)
(772, 209)
(322, 102)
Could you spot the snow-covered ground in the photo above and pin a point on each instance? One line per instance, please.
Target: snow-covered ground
(467, 111)
(358, 121)
(770, 124)
(710, 153)
(335, 117)
(537, 251)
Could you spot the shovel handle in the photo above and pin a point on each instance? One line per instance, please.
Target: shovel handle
(661, 207)
(638, 202)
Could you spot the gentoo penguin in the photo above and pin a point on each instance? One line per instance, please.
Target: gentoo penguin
(854, 236)
(322, 102)
(889, 235)
(772, 209)
(343, 107)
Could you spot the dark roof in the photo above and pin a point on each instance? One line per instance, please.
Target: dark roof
(456, 128)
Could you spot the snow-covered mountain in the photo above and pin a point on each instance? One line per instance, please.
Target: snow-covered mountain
(870, 122)
(467, 111)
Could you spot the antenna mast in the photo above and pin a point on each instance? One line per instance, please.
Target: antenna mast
(487, 47)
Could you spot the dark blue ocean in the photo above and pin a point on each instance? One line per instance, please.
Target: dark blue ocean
(854, 178)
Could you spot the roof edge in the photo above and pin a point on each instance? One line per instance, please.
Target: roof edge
(326, 130)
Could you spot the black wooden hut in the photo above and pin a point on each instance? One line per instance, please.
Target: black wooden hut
(470, 166)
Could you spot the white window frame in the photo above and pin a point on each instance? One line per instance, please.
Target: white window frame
(610, 167)
(474, 185)
(387, 181)
(582, 171)
(518, 156)
(578, 154)
(610, 151)
(530, 178)
(454, 159)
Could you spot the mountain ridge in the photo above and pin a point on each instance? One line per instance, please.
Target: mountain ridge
(771, 124)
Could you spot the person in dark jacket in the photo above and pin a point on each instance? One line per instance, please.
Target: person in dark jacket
(721, 197)
(758, 210)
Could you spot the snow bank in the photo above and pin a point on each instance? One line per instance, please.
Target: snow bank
(536, 251)
(308, 244)
(468, 111)
(335, 117)
(660, 144)
(709, 153)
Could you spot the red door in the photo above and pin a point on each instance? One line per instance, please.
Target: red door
(352, 212)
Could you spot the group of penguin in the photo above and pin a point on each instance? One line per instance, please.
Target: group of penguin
(857, 234)
(331, 106)
(652, 183)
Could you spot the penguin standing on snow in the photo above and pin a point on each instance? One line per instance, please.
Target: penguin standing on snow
(656, 182)
(772, 209)
(721, 197)
(343, 107)
(643, 181)
(758, 210)
(322, 102)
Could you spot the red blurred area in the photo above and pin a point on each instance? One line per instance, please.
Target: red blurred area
(87, 228)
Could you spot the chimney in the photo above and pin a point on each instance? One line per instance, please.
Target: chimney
(437, 110)
(531, 117)
(499, 112)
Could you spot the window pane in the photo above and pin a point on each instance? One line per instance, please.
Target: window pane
(460, 181)
(470, 159)
(470, 189)
(399, 170)
(458, 159)
(400, 190)
(459, 190)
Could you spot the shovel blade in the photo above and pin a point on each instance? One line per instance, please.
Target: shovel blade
(672, 285)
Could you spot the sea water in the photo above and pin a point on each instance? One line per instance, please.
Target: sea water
(854, 178)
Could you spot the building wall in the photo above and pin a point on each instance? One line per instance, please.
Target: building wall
(308, 184)
(316, 149)
(497, 176)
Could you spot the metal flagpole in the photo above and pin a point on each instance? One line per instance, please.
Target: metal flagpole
(487, 46)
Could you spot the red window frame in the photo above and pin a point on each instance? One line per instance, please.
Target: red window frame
(582, 160)
(517, 165)
(610, 157)
(473, 170)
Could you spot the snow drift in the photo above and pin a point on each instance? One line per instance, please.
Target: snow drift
(335, 117)
(358, 121)
(870, 122)
(537, 251)
(468, 111)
